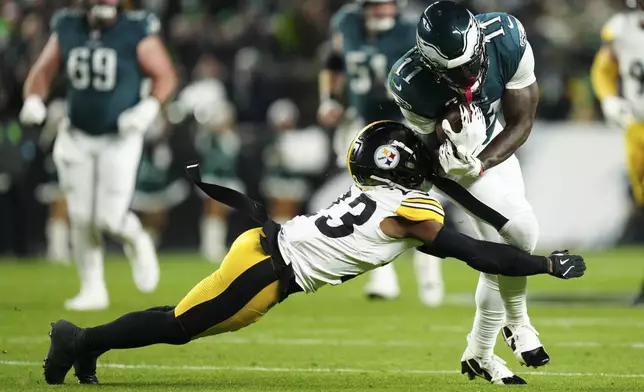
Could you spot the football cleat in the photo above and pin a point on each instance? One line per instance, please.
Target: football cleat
(85, 369)
(87, 301)
(525, 344)
(61, 355)
(144, 262)
(492, 369)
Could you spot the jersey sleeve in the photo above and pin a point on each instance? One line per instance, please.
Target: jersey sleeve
(60, 18)
(145, 23)
(613, 28)
(524, 75)
(419, 208)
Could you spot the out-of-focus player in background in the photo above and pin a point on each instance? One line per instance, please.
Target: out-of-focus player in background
(292, 158)
(217, 144)
(105, 54)
(368, 37)
(486, 61)
(49, 192)
(617, 76)
(160, 184)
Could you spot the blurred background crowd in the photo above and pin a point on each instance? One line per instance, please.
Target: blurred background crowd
(258, 62)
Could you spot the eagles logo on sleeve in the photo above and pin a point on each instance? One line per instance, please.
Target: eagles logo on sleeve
(421, 208)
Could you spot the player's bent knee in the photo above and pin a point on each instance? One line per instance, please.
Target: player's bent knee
(522, 231)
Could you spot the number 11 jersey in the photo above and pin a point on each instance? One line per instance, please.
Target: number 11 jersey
(101, 66)
(345, 239)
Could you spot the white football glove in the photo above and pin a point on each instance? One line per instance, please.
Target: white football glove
(330, 112)
(33, 111)
(473, 132)
(617, 110)
(456, 165)
(137, 119)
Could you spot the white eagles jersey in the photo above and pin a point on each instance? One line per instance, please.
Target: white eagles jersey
(625, 32)
(345, 239)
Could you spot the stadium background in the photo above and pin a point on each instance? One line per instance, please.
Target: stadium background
(265, 50)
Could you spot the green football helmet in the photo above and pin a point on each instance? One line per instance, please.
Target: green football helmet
(389, 154)
(452, 45)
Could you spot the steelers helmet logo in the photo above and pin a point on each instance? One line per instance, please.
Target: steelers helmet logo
(386, 157)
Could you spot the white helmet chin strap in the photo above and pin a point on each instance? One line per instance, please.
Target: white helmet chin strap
(103, 11)
(380, 24)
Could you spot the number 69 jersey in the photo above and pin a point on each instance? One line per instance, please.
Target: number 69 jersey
(345, 240)
(103, 74)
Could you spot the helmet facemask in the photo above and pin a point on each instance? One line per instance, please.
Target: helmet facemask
(379, 16)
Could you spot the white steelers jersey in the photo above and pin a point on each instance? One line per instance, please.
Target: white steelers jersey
(625, 32)
(345, 239)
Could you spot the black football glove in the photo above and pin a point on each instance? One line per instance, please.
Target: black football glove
(563, 265)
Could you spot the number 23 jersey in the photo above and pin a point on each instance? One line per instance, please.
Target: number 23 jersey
(345, 240)
(101, 66)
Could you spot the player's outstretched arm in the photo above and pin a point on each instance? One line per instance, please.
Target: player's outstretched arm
(484, 256)
(155, 62)
(331, 82)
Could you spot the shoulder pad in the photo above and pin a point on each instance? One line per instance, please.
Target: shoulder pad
(419, 206)
(149, 22)
(613, 28)
(64, 16)
(348, 15)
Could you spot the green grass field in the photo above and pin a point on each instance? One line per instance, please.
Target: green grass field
(336, 340)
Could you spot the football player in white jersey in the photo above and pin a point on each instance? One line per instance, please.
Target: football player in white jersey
(617, 75)
(385, 213)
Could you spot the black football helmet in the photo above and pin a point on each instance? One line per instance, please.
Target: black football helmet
(389, 154)
(452, 45)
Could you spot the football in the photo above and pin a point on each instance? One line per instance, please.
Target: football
(453, 115)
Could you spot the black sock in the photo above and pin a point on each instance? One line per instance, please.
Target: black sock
(136, 329)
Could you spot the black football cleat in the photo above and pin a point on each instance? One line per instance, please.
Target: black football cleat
(85, 368)
(61, 356)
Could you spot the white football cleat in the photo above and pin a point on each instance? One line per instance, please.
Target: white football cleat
(144, 263)
(492, 369)
(525, 344)
(87, 301)
(383, 283)
(432, 294)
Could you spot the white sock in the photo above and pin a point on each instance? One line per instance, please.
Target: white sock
(489, 316)
(428, 269)
(213, 239)
(513, 292)
(58, 241)
(87, 249)
(383, 281)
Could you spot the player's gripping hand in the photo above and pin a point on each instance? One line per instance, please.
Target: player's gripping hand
(330, 112)
(563, 265)
(456, 165)
(137, 119)
(33, 111)
(473, 132)
(618, 111)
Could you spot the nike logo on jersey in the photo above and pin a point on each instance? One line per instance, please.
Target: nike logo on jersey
(562, 262)
(398, 87)
(510, 24)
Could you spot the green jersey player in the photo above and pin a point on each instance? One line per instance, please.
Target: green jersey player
(486, 62)
(105, 54)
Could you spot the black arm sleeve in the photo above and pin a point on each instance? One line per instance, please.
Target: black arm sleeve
(334, 62)
(484, 256)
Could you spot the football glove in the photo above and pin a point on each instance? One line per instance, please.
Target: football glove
(563, 265)
(454, 164)
(618, 111)
(33, 111)
(330, 112)
(137, 119)
(473, 132)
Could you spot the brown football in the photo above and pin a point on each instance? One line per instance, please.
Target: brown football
(453, 115)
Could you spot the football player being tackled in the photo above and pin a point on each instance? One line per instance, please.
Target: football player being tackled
(105, 54)
(484, 60)
(386, 212)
